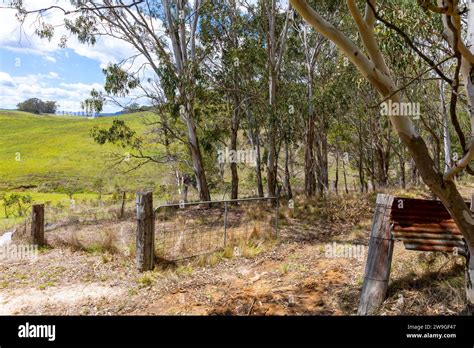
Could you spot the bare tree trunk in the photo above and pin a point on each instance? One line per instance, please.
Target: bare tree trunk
(361, 174)
(275, 48)
(236, 112)
(186, 181)
(415, 178)
(233, 146)
(198, 167)
(254, 138)
(322, 162)
(272, 161)
(272, 165)
(345, 176)
(122, 208)
(310, 134)
(372, 171)
(446, 136)
(288, 189)
(361, 161)
(258, 168)
(309, 158)
(336, 182)
(292, 162)
(401, 162)
(382, 166)
(183, 43)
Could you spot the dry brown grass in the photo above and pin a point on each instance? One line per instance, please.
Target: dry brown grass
(425, 283)
(195, 230)
(105, 239)
(332, 208)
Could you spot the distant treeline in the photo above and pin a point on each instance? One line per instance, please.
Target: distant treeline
(37, 106)
(135, 107)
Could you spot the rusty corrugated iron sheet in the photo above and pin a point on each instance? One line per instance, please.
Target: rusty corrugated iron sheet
(425, 225)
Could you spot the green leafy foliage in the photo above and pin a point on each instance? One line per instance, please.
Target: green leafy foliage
(119, 133)
(84, 27)
(94, 104)
(118, 81)
(15, 204)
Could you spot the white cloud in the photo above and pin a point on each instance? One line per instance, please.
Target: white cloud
(29, 79)
(53, 75)
(15, 89)
(49, 59)
(81, 87)
(6, 81)
(18, 38)
(22, 39)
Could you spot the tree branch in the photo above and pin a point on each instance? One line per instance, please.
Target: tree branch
(410, 43)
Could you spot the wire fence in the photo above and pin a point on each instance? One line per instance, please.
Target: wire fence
(73, 222)
(186, 230)
(182, 230)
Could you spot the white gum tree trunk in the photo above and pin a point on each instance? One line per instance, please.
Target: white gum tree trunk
(446, 135)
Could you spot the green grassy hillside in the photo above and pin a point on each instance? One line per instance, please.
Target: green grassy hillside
(46, 149)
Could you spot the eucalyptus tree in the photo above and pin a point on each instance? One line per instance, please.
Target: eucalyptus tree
(231, 35)
(291, 112)
(229, 28)
(372, 64)
(312, 45)
(164, 34)
(275, 19)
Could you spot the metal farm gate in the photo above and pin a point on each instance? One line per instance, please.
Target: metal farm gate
(185, 230)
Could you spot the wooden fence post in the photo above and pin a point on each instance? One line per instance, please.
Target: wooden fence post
(122, 208)
(37, 224)
(145, 232)
(379, 258)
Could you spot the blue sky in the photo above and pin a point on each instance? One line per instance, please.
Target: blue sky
(34, 67)
(67, 64)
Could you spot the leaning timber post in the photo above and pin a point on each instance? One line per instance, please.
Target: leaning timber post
(145, 232)
(37, 225)
(470, 269)
(225, 224)
(379, 258)
(122, 208)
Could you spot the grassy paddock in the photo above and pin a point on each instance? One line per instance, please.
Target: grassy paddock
(46, 149)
